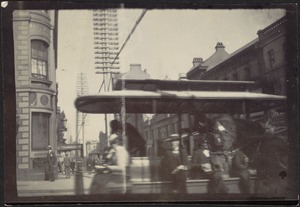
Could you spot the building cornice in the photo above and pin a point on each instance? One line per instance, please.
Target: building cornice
(40, 90)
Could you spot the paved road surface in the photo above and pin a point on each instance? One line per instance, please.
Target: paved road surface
(61, 186)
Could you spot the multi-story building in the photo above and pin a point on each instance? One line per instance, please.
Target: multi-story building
(200, 66)
(35, 46)
(262, 60)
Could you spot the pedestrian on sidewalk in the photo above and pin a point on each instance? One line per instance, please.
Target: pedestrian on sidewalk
(60, 161)
(67, 164)
(72, 164)
(89, 164)
(50, 164)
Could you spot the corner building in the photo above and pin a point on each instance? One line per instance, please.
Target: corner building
(35, 46)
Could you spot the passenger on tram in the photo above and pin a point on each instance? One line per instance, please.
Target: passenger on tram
(174, 165)
(208, 131)
(118, 154)
(200, 165)
(136, 145)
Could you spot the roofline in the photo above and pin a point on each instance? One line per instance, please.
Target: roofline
(179, 85)
(238, 51)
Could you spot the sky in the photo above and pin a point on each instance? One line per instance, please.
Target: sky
(164, 43)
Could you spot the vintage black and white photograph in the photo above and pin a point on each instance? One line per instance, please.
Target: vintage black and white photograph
(151, 103)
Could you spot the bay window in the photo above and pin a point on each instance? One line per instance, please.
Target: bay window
(39, 59)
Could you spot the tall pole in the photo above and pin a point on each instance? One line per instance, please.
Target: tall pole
(83, 142)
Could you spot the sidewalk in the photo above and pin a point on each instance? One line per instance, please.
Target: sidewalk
(61, 186)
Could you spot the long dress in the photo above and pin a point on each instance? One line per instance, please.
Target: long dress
(50, 163)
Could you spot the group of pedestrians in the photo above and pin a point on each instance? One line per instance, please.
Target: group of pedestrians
(65, 165)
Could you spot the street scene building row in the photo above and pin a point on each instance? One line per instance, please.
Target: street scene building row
(40, 120)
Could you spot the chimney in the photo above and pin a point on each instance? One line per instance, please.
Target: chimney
(220, 46)
(182, 76)
(197, 61)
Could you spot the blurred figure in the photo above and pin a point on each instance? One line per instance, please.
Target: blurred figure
(209, 132)
(201, 164)
(174, 165)
(136, 145)
(50, 164)
(240, 169)
(67, 164)
(72, 164)
(217, 178)
(89, 164)
(59, 163)
(117, 155)
(114, 178)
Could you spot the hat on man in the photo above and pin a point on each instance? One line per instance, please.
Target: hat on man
(176, 137)
(173, 137)
(49, 147)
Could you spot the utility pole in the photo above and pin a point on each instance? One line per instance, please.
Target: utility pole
(82, 89)
(106, 46)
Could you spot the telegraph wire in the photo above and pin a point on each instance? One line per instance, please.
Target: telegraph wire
(130, 34)
(127, 39)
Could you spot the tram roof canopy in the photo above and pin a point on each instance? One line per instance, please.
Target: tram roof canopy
(139, 101)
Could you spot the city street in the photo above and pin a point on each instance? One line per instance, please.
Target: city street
(61, 186)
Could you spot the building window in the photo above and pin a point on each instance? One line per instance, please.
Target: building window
(271, 57)
(40, 130)
(39, 59)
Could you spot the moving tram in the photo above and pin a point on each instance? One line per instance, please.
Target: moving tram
(159, 109)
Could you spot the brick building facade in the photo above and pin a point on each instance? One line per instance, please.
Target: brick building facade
(35, 35)
(262, 60)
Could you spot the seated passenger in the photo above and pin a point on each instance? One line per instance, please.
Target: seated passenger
(209, 131)
(136, 145)
(201, 165)
(118, 155)
(174, 165)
